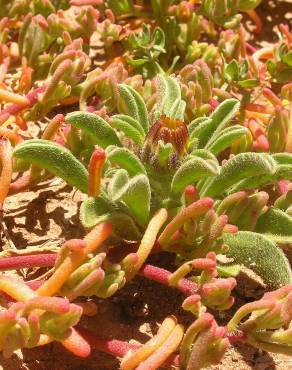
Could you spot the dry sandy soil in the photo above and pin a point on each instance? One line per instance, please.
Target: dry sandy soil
(49, 215)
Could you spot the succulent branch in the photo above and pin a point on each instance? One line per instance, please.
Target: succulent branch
(35, 320)
(267, 325)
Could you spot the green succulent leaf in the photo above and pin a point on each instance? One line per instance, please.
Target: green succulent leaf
(129, 126)
(205, 154)
(136, 194)
(244, 5)
(125, 227)
(222, 116)
(124, 158)
(158, 39)
(225, 138)
(241, 166)
(20, 165)
(129, 131)
(56, 325)
(131, 103)
(96, 127)
(137, 62)
(282, 172)
(248, 83)
(195, 123)
(119, 179)
(199, 128)
(205, 129)
(261, 255)
(287, 59)
(121, 7)
(275, 224)
(54, 158)
(191, 171)
(169, 100)
(283, 158)
(177, 111)
(231, 71)
(228, 270)
(94, 211)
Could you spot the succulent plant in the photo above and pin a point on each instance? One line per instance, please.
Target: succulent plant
(177, 131)
(145, 169)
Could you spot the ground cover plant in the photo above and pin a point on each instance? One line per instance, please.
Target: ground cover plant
(175, 128)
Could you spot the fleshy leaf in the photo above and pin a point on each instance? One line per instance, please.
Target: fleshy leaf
(169, 100)
(129, 126)
(132, 104)
(163, 152)
(241, 166)
(124, 227)
(225, 138)
(228, 270)
(119, 179)
(96, 127)
(223, 114)
(275, 224)
(261, 255)
(94, 211)
(191, 171)
(178, 110)
(205, 154)
(54, 158)
(283, 158)
(282, 172)
(124, 158)
(136, 194)
(216, 122)
(198, 126)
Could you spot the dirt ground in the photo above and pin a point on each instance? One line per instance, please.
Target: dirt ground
(49, 215)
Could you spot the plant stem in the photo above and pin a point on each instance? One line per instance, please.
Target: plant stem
(150, 272)
(116, 347)
(148, 240)
(92, 241)
(32, 97)
(162, 276)
(119, 348)
(27, 261)
(141, 354)
(193, 211)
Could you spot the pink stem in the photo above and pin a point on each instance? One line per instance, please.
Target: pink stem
(250, 48)
(239, 336)
(161, 275)
(150, 272)
(117, 348)
(36, 260)
(21, 184)
(35, 284)
(32, 97)
(114, 347)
